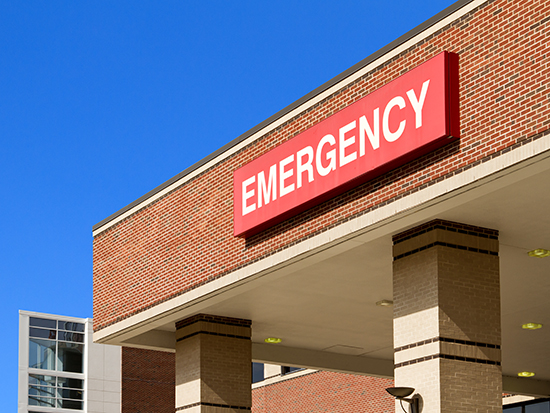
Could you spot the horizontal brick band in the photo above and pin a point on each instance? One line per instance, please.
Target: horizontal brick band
(447, 340)
(222, 406)
(211, 333)
(227, 321)
(445, 244)
(446, 226)
(448, 357)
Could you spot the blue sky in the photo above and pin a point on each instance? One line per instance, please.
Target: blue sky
(100, 102)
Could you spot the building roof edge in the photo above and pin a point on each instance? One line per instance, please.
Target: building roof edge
(346, 73)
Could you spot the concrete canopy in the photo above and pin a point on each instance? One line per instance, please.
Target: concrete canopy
(321, 303)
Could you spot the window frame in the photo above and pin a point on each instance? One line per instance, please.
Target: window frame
(75, 337)
(57, 389)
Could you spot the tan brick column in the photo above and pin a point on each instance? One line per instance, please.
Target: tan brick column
(213, 365)
(447, 317)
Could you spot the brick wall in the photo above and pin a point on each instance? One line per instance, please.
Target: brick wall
(325, 392)
(148, 387)
(445, 276)
(148, 381)
(185, 239)
(213, 363)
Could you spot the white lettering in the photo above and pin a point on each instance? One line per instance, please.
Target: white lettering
(331, 155)
(393, 136)
(418, 104)
(344, 143)
(270, 188)
(364, 127)
(283, 175)
(247, 195)
(304, 167)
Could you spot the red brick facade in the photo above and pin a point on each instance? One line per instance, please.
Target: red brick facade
(148, 381)
(325, 392)
(185, 239)
(148, 387)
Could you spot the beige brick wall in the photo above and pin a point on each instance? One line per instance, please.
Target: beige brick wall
(425, 378)
(213, 366)
(470, 387)
(447, 317)
(415, 284)
(469, 295)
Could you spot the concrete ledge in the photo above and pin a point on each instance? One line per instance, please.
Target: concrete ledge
(526, 386)
(321, 360)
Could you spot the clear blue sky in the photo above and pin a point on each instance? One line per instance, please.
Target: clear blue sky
(101, 102)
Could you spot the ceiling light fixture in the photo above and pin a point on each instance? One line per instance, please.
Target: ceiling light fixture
(384, 303)
(539, 253)
(526, 374)
(273, 340)
(531, 326)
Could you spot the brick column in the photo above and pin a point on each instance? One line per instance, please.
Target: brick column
(213, 365)
(447, 317)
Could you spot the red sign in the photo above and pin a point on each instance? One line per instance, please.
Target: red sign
(408, 117)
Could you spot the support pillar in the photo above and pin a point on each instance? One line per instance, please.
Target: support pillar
(213, 365)
(447, 317)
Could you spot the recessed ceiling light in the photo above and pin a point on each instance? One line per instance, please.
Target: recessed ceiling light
(273, 340)
(526, 374)
(384, 303)
(539, 253)
(531, 326)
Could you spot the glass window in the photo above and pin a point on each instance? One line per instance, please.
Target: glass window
(67, 336)
(70, 326)
(70, 404)
(257, 372)
(70, 394)
(42, 322)
(288, 369)
(42, 333)
(60, 355)
(42, 401)
(52, 391)
(72, 383)
(41, 380)
(543, 407)
(42, 354)
(69, 357)
(41, 391)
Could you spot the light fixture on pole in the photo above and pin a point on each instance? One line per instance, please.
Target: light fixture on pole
(400, 393)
